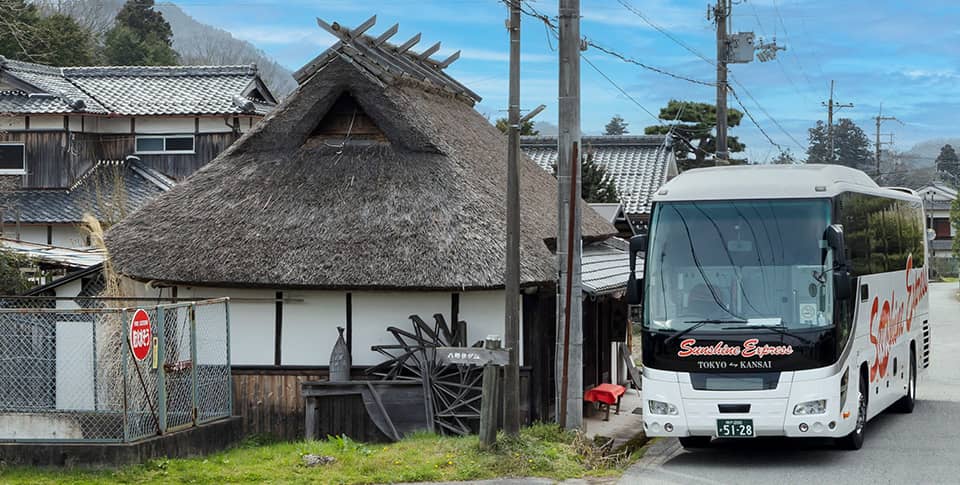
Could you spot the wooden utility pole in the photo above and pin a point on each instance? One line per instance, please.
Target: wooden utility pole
(721, 13)
(831, 106)
(880, 119)
(569, 323)
(511, 402)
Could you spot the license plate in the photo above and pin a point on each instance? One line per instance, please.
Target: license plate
(735, 428)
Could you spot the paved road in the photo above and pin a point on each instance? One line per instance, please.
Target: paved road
(923, 447)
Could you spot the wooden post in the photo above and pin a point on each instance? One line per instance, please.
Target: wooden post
(490, 402)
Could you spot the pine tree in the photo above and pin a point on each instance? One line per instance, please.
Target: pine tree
(526, 127)
(616, 126)
(65, 42)
(784, 158)
(693, 138)
(851, 147)
(140, 37)
(948, 165)
(595, 185)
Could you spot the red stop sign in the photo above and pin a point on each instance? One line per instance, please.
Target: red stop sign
(141, 337)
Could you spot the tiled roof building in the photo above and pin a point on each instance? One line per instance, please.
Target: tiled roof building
(638, 165)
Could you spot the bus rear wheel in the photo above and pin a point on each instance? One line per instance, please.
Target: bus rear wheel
(854, 440)
(694, 442)
(907, 402)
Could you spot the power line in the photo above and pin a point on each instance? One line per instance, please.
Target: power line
(775, 122)
(749, 115)
(663, 31)
(533, 12)
(622, 91)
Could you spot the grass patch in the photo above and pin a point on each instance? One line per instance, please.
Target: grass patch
(542, 450)
(949, 279)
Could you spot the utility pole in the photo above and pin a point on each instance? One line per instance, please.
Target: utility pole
(721, 13)
(880, 119)
(511, 401)
(831, 106)
(569, 323)
(732, 48)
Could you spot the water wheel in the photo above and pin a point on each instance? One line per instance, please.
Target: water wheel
(452, 391)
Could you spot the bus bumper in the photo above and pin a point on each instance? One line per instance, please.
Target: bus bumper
(690, 412)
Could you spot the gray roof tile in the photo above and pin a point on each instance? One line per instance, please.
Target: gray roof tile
(131, 90)
(639, 165)
(67, 206)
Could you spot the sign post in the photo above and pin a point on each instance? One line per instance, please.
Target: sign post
(492, 357)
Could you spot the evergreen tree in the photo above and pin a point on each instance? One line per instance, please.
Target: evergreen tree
(955, 220)
(595, 185)
(140, 37)
(616, 126)
(65, 42)
(851, 147)
(694, 139)
(18, 30)
(526, 127)
(948, 165)
(784, 158)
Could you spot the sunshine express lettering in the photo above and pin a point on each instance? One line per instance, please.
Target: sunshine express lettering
(749, 349)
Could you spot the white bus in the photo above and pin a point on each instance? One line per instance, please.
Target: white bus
(779, 301)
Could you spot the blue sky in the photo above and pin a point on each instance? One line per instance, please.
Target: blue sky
(901, 54)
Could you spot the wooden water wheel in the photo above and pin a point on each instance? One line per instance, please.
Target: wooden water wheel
(452, 391)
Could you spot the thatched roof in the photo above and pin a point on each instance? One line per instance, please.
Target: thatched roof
(411, 197)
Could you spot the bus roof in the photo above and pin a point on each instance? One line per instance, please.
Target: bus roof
(771, 182)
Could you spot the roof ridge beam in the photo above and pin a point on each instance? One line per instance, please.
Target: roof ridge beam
(423, 56)
(386, 35)
(343, 33)
(408, 44)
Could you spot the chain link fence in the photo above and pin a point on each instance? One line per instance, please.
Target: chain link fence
(73, 374)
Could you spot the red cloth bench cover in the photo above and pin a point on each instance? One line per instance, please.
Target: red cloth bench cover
(605, 393)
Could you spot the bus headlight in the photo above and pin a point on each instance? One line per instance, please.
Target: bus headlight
(810, 407)
(659, 407)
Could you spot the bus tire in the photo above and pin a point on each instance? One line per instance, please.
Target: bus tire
(907, 402)
(694, 442)
(854, 440)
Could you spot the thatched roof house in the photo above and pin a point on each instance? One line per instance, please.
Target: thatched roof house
(371, 175)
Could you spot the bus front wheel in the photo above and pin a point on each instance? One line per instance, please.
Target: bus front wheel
(854, 440)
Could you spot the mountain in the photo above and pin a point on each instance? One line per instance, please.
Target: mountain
(196, 42)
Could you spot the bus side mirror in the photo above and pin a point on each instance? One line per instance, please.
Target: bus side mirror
(842, 281)
(638, 249)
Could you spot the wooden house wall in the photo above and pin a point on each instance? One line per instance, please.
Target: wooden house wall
(47, 157)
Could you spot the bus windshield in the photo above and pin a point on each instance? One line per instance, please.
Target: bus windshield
(739, 264)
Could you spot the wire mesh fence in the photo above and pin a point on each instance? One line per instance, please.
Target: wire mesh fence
(96, 373)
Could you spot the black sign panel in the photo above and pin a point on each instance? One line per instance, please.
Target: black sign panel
(735, 351)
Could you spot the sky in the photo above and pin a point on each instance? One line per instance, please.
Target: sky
(901, 55)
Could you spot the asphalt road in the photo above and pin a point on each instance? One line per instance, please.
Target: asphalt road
(923, 447)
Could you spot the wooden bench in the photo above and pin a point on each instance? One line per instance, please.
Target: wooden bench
(606, 395)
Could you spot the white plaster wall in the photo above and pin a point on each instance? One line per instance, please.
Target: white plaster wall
(12, 122)
(78, 123)
(215, 125)
(74, 364)
(68, 236)
(108, 125)
(484, 313)
(153, 125)
(46, 122)
(310, 327)
(70, 289)
(373, 312)
(34, 234)
(252, 325)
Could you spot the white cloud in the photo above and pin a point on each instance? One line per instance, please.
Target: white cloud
(280, 35)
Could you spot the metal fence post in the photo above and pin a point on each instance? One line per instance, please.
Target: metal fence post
(226, 313)
(193, 359)
(124, 347)
(161, 374)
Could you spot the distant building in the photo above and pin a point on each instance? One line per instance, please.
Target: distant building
(937, 199)
(104, 140)
(638, 165)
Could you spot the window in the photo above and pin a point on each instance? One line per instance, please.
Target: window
(881, 233)
(164, 144)
(942, 226)
(12, 159)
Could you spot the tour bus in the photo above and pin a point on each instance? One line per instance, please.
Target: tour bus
(779, 301)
